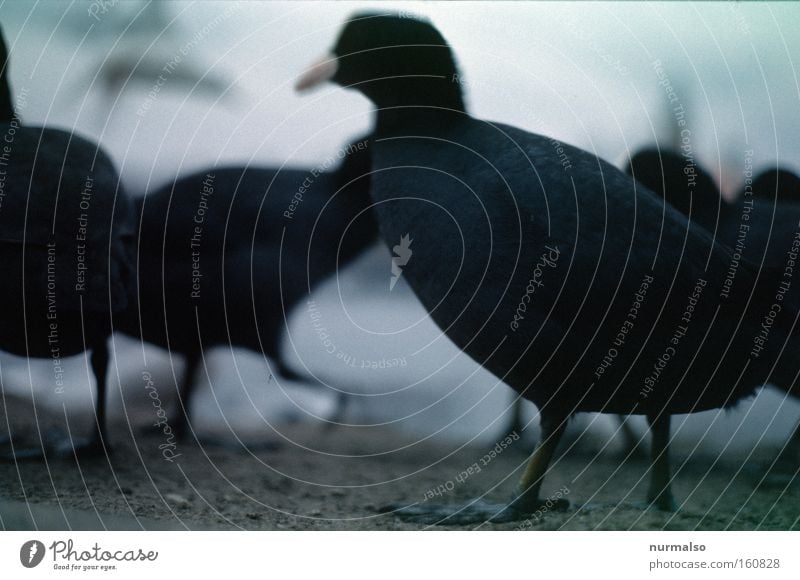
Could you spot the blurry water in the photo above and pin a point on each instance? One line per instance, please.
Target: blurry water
(586, 75)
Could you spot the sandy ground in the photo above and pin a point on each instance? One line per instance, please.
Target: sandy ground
(307, 477)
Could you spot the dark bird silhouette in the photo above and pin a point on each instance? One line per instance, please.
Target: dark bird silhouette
(537, 259)
(756, 225)
(65, 234)
(776, 184)
(225, 254)
(682, 183)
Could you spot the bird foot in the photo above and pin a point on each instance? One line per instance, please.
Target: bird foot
(664, 502)
(22, 454)
(634, 452)
(177, 427)
(14, 448)
(667, 506)
(474, 512)
(62, 447)
(249, 446)
(82, 448)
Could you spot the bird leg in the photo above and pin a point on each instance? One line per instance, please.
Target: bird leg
(526, 500)
(631, 442)
(95, 445)
(553, 427)
(339, 412)
(791, 453)
(185, 390)
(516, 425)
(659, 494)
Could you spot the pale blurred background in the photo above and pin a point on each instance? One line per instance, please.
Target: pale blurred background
(581, 73)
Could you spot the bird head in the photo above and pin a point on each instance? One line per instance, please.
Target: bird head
(393, 60)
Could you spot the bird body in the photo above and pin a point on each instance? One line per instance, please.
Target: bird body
(486, 202)
(225, 254)
(197, 251)
(65, 232)
(775, 183)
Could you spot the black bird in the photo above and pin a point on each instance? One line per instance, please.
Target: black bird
(65, 235)
(225, 254)
(683, 183)
(777, 183)
(758, 226)
(537, 258)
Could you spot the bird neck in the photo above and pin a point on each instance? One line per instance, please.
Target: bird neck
(415, 120)
(414, 105)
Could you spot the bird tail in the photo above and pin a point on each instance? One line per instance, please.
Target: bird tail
(774, 307)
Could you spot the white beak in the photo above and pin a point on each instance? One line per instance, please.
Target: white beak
(318, 73)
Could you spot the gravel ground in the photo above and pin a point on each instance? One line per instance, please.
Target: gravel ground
(308, 477)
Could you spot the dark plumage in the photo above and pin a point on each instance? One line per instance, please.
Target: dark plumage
(65, 233)
(224, 255)
(777, 183)
(529, 254)
(756, 227)
(679, 181)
